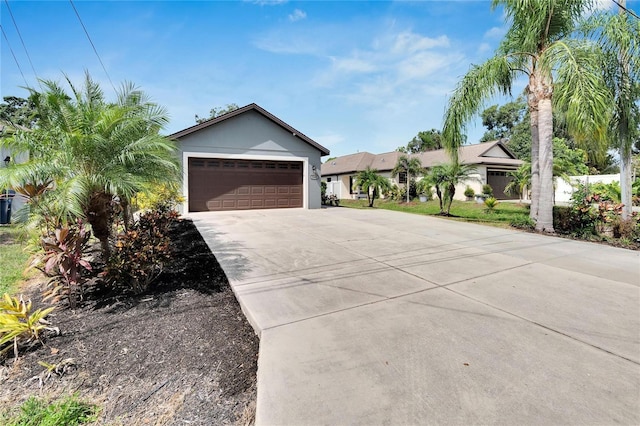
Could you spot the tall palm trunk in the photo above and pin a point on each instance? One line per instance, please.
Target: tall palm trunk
(623, 129)
(532, 102)
(545, 137)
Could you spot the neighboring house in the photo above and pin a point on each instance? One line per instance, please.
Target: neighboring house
(248, 159)
(6, 158)
(492, 160)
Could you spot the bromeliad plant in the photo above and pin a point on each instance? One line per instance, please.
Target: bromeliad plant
(19, 326)
(63, 260)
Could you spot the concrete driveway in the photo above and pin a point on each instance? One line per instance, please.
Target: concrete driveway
(371, 317)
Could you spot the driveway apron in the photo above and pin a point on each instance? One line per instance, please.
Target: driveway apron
(371, 317)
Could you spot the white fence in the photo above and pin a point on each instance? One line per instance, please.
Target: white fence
(564, 190)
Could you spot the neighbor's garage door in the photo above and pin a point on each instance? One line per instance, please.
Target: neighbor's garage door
(223, 184)
(498, 179)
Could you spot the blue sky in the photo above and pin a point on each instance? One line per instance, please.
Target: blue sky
(352, 75)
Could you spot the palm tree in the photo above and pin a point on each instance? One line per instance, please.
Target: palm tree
(436, 176)
(408, 165)
(372, 183)
(536, 46)
(520, 179)
(619, 37)
(89, 157)
(454, 174)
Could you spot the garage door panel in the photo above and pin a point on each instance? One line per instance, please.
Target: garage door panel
(216, 184)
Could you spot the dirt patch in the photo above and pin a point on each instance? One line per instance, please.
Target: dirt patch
(181, 354)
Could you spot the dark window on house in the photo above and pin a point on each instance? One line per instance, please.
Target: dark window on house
(351, 184)
(328, 179)
(402, 177)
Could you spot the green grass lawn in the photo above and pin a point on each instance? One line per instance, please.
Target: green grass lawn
(469, 211)
(14, 259)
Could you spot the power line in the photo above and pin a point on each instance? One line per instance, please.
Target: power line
(629, 11)
(24, 46)
(92, 45)
(14, 56)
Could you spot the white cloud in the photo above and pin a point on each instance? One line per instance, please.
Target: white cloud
(267, 2)
(353, 65)
(604, 5)
(409, 42)
(484, 47)
(330, 139)
(297, 15)
(283, 44)
(495, 33)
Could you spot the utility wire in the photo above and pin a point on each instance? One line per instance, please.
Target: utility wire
(92, 45)
(14, 56)
(24, 46)
(629, 11)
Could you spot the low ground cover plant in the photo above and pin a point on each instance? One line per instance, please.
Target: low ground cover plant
(68, 411)
(21, 326)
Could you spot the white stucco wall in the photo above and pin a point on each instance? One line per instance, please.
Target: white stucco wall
(564, 189)
(252, 136)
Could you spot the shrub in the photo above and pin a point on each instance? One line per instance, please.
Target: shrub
(487, 190)
(424, 188)
(469, 192)
(19, 326)
(64, 261)
(141, 252)
(607, 191)
(523, 222)
(491, 204)
(323, 192)
(629, 228)
(69, 411)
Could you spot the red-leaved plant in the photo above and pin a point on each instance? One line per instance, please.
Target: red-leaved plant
(64, 260)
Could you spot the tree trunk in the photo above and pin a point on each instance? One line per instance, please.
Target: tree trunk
(545, 138)
(623, 132)
(407, 186)
(99, 215)
(535, 149)
(626, 169)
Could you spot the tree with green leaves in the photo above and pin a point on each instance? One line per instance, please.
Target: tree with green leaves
(436, 176)
(500, 121)
(408, 165)
(217, 112)
(372, 183)
(17, 112)
(619, 37)
(89, 157)
(454, 174)
(430, 140)
(560, 71)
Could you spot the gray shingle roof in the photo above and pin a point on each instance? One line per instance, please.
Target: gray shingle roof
(469, 154)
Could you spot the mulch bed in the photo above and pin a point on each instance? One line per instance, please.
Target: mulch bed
(181, 354)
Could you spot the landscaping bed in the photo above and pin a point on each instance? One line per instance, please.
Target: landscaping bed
(181, 353)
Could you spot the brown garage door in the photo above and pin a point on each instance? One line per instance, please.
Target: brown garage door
(224, 184)
(499, 179)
